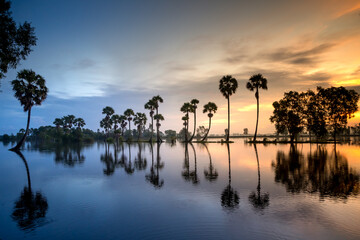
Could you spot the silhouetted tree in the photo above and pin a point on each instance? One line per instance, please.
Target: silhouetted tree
(158, 118)
(79, 122)
(186, 108)
(227, 87)
(211, 108)
(129, 113)
(151, 105)
(15, 41)
(194, 103)
(140, 120)
(288, 114)
(156, 100)
(255, 83)
(30, 90)
(340, 104)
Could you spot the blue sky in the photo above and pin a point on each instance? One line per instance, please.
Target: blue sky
(121, 53)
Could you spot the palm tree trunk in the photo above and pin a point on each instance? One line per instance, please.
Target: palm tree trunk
(194, 126)
(21, 142)
(228, 133)
(257, 113)
(207, 130)
(152, 129)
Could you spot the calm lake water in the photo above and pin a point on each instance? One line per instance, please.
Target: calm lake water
(166, 191)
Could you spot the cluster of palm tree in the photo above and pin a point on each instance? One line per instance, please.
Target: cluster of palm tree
(190, 107)
(117, 123)
(69, 121)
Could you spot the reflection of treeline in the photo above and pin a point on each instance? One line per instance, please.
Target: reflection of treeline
(322, 113)
(319, 172)
(50, 134)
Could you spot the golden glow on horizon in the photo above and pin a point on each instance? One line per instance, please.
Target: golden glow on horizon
(350, 82)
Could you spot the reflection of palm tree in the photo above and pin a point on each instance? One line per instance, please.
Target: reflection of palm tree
(30, 209)
(69, 155)
(129, 168)
(229, 197)
(258, 200)
(186, 172)
(140, 162)
(153, 177)
(193, 174)
(211, 174)
(108, 159)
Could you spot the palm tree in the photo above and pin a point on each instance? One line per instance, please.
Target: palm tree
(58, 122)
(123, 124)
(69, 120)
(186, 108)
(140, 120)
(129, 113)
(150, 105)
(157, 99)
(79, 122)
(255, 82)
(194, 104)
(116, 121)
(211, 108)
(158, 118)
(30, 90)
(227, 87)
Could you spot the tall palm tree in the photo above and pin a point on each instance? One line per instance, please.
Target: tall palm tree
(186, 108)
(227, 87)
(116, 121)
(69, 121)
(211, 108)
(150, 105)
(30, 90)
(157, 99)
(194, 103)
(158, 118)
(129, 113)
(123, 124)
(255, 83)
(58, 122)
(140, 120)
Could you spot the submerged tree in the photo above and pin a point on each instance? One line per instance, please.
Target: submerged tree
(16, 42)
(211, 108)
(30, 90)
(227, 87)
(255, 83)
(194, 103)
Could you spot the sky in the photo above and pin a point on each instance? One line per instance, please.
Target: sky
(121, 53)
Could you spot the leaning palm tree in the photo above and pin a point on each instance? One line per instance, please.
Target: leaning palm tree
(158, 118)
(150, 105)
(255, 82)
(186, 108)
(30, 90)
(194, 104)
(211, 108)
(129, 113)
(157, 99)
(227, 87)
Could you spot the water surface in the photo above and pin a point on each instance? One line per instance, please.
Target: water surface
(192, 191)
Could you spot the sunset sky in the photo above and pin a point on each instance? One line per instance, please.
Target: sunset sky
(121, 53)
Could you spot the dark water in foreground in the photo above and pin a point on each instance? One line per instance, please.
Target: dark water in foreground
(181, 192)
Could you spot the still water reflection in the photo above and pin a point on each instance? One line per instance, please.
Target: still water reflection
(177, 191)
